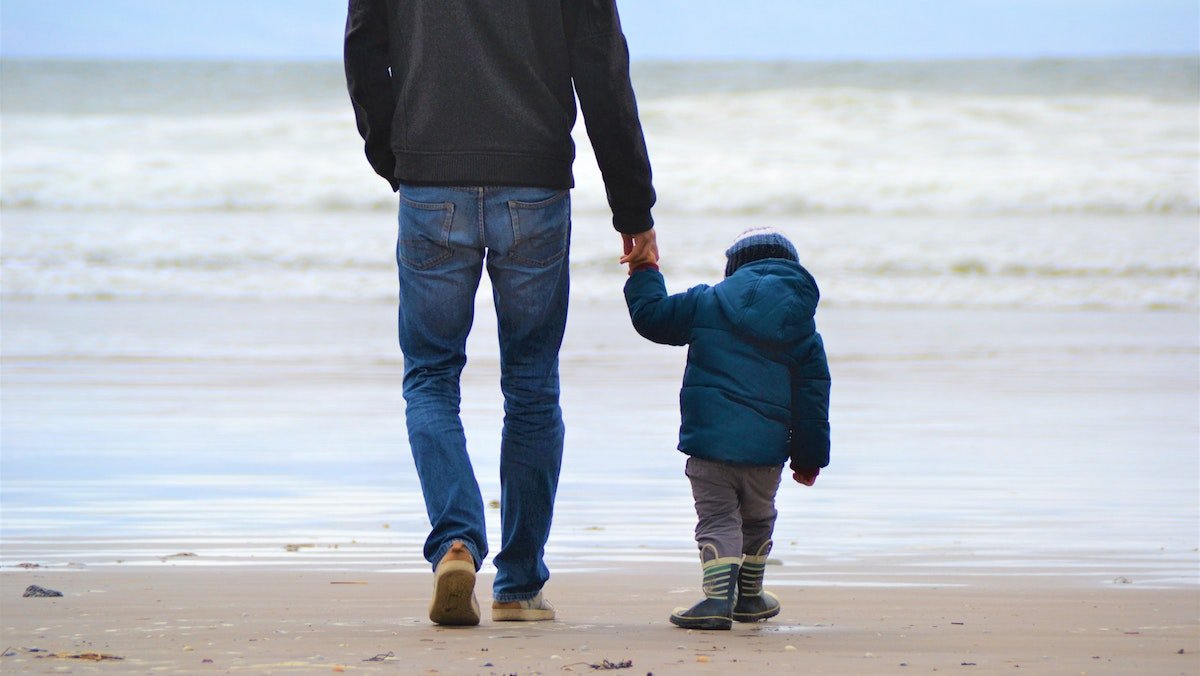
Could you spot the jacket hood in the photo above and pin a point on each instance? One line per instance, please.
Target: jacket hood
(773, 300)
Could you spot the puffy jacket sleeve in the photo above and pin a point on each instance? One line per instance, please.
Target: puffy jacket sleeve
(657, 316)
(600, 70)
(369, 80)
(810, 406)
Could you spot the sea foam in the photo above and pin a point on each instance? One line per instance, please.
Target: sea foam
(1063, 184)
(1038, 137)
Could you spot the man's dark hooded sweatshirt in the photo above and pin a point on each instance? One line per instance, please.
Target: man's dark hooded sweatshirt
(482, 92)
(756, 387)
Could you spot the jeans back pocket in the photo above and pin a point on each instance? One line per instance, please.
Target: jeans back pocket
(541, 230)
(424, 233)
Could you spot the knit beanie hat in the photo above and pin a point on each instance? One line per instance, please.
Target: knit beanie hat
(756, 244)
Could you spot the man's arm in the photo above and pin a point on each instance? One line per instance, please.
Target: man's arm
(369, 80)
(600, 69)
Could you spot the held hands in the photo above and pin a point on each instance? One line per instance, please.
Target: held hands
(639, 249)
(805, 475)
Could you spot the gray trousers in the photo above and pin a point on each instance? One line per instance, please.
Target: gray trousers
(735, 505)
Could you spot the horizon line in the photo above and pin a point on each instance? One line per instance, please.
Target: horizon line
(1195, 54)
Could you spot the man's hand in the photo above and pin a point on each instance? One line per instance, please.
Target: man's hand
(805, 475)
(640, 248)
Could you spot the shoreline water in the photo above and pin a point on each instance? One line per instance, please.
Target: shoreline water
(967, 443)
(1066, 262)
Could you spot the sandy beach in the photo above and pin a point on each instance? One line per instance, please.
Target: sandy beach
(181, 620)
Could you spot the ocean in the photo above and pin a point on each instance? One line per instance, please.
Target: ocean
(199, 354)
(1047, 183)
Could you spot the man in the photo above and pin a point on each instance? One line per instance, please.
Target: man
(466, 107)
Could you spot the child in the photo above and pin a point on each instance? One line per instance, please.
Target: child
(755, 393)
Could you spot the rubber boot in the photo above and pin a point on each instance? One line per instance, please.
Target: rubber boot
(754, 604)
(720, 592)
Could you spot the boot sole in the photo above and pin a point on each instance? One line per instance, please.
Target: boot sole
(454, 601)
(715, 622)
(755, 617)
(760, 615)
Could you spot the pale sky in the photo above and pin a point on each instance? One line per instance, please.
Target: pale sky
(657, 29)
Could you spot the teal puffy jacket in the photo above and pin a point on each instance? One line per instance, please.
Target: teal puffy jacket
(756, 387)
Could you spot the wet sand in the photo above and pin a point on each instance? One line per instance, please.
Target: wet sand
(193, 620)
(978, 442)
(1010, 490)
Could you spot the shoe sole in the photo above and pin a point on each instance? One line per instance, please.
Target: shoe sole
(521, 615)
(717, 622)
(454, 601)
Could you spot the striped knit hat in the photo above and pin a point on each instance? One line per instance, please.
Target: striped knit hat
(756, 244)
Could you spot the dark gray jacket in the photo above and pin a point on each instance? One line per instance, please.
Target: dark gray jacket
(479, 92)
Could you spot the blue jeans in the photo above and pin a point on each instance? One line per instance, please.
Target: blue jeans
(446, 233)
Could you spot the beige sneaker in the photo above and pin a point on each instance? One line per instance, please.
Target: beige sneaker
(532, 610)
(454, 589)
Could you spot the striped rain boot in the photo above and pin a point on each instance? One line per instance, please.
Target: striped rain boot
(754, 604)
(720, 591)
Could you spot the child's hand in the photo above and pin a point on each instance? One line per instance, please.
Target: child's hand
(641, 262)
(640, 247)
(647, 257)
(805, 475)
